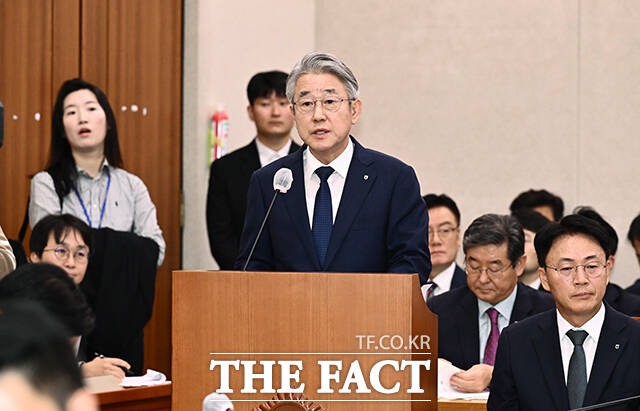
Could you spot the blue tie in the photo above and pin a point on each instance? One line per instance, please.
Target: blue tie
(322, 214)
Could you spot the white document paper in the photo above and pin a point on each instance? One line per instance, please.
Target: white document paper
(150, 378)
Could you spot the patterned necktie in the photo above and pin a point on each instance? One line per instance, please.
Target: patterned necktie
(431, 289)
(322, 214)
(577, 375)
(492, 341)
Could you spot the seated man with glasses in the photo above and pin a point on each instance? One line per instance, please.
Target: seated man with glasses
(471, 318)
(62, 240)
(349, 208)
(444, 241)
(65, 240)
(581, 353)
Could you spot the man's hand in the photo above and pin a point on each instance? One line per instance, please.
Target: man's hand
(105, 366)
(475, 379)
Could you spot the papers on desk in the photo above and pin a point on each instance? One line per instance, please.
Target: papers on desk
(446, 391)
(150, 378)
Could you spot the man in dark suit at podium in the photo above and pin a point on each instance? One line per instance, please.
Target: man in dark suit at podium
(229, 176)
(471, 318)
(349, 209)
(582, 353)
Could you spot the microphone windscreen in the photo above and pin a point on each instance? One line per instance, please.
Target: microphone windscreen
(217, 402)
(282, 180)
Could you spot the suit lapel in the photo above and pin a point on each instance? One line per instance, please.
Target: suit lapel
(459, 278)
(611, 345)
(468, 331)
(522, 305)
(251, 161)
(358, 183)
(547, 346)
(296, 204)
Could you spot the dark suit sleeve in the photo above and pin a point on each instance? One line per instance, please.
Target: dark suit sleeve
(502, 390)
(257, 204)
(223, 239)
(407, 232)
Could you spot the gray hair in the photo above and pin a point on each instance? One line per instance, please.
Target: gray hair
(494, 229)
(323, 63)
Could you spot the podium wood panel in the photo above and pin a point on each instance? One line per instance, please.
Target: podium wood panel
(296, 313)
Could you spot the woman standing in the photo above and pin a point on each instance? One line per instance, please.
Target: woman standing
(84, 175)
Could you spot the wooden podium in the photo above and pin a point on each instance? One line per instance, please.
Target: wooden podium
(358, 319)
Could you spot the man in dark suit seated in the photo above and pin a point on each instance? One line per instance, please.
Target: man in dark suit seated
(634, 239)
(531, 222)
(66, 241)
(349, 209)
(622, 300)
(444, 242)
(583, 352)
(229, 176)
(471, 318)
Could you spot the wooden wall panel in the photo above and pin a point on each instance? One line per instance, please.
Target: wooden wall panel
(144, 74)
(25, 89)
(38, 49)
(94, 43)
(132, 49)
(66, 45)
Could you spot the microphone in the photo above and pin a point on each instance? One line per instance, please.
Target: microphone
(1, 124)
(281, 184)
(282, 180)
(216, 402)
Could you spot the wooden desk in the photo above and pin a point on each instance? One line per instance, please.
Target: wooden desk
(462, 405)
(157, 398)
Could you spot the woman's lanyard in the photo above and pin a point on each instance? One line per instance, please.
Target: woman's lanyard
(104, 202)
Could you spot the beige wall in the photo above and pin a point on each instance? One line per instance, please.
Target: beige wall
(484, 99)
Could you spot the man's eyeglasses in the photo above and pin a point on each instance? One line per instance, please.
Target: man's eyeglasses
(329, 103)
(62, 253)
(592, 270)
(492, 272)
(443, 233)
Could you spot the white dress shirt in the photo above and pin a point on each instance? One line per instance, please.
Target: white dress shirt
(268, 155)
(535, 284)
(442, 282)
(592, 327)
(504, 308)
(335, 180)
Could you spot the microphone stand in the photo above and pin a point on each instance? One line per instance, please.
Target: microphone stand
(607, 404)
(260, 231)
